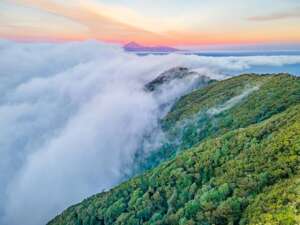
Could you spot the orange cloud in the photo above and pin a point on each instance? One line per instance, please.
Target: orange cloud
(99, 25)
(120, 24)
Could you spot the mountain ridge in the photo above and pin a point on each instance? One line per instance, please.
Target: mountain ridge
(177, 73)
(191, 120)
(135, 47)
(228, 176)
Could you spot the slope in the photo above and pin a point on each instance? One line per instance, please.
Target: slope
(218, 108)
(246, 172)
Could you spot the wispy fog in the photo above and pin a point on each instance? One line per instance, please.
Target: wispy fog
(72, 116)
(232, 102)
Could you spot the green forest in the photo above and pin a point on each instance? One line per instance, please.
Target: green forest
(231, 157)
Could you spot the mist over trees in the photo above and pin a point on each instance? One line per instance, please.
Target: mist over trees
(245, 170)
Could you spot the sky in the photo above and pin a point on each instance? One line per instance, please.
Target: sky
(187, 23)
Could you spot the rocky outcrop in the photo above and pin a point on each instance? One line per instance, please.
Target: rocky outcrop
(176, 73)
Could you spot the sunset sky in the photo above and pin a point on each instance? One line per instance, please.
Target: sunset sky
(154, 22)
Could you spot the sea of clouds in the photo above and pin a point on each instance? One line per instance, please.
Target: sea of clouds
(72, 116)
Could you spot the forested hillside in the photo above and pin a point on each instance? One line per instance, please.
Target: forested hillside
(241, 162)
(221, 107)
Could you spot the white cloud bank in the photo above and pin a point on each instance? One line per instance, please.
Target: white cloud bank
(72, 116)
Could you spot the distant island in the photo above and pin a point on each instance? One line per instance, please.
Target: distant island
(135, 47)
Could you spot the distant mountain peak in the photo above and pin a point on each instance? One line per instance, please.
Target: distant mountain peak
(132, 44)
(136, 47)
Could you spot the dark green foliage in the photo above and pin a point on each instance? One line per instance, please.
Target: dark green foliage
(246, 175)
